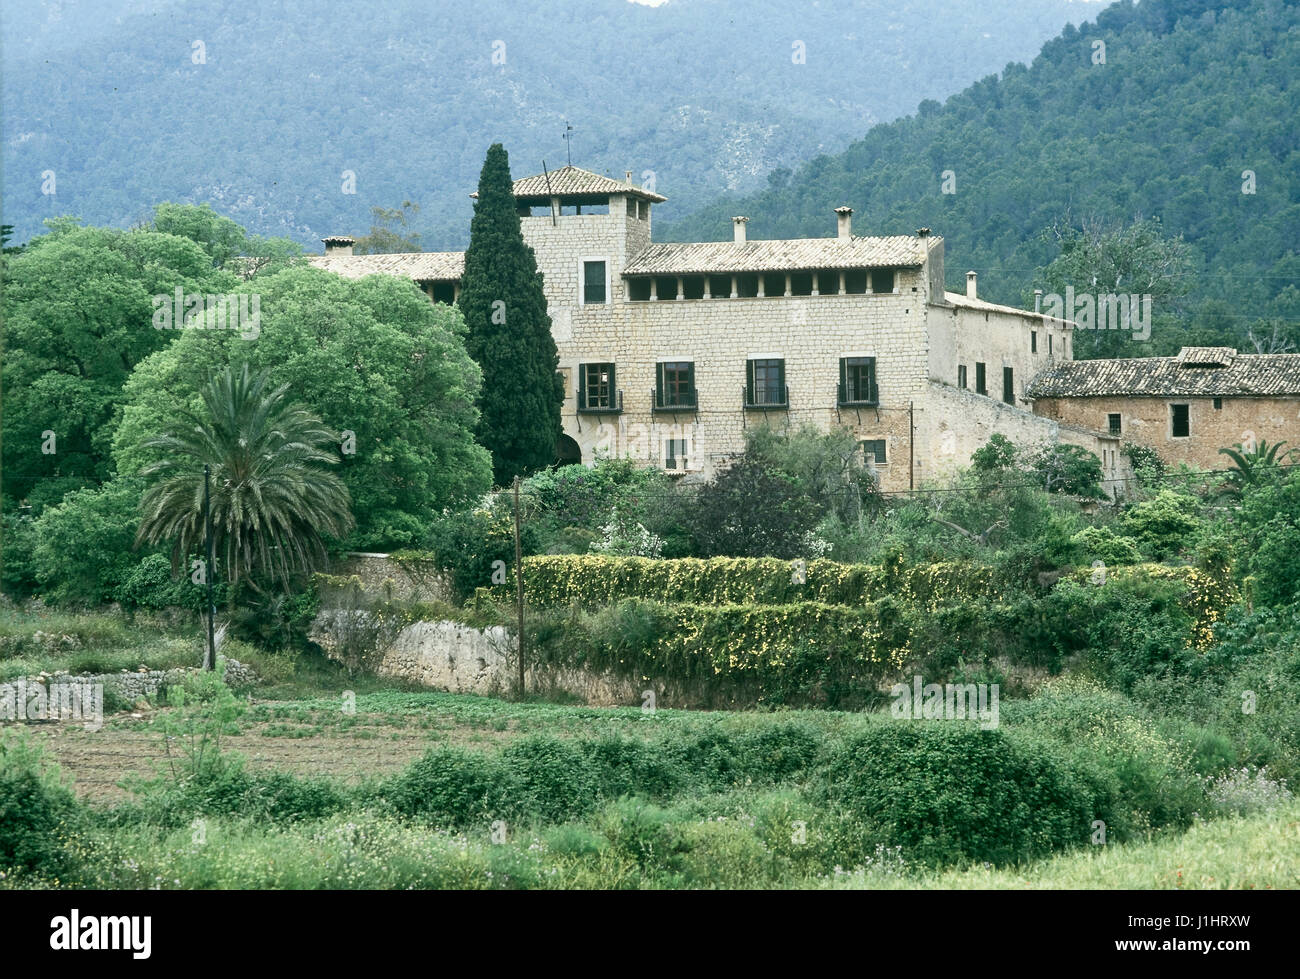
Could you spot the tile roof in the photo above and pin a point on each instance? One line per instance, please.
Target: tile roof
(965, 301)
(420, 266)
(1258, 375)
(797, 254)
(575, 181)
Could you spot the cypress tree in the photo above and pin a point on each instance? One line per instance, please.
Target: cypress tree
(509, 331)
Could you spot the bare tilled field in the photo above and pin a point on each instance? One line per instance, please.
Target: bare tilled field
(348, 748)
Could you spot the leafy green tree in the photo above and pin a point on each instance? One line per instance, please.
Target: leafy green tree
(827, 467)
(383, 366)
(1068, 469)
(78, 311)
(1269, 532)
(1165, 525)
(273, 502)
(1138, 259)
(749, 510)
(391, 231)
(83, 547)
(509, 331)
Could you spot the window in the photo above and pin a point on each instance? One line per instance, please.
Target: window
(882, 280)
(858, 381)
(1115, 423)
(873, 451)
(676, 387)
(765, 382)
(1033, 341)
(596, 391)
(980, 382)
(1218, 404)
(638, 290)
(1049, 345)
(1180, 423)
(675, 454)
(1008, 386)
(961, 375)
(593, 282)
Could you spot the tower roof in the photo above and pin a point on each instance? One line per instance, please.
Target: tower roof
(574, 181)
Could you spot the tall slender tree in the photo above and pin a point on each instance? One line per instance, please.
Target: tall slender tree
(509, 331)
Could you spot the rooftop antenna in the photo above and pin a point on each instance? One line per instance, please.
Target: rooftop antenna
(568, 142)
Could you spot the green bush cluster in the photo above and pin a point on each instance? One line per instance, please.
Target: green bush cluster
(36, 811)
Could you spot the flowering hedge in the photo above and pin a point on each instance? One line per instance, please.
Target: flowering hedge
(592, 580)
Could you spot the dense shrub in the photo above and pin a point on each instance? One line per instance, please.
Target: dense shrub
(949, 792)
(35, 810)
(550, 777)
(451, 786)
(1165, 525)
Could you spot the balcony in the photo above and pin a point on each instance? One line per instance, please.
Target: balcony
(662, 400)
(616, 408)
(764, 399)
(858, 396)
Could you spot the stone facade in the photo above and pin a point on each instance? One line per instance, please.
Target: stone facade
(1185, 407)
(807, 303)
(1149, 421)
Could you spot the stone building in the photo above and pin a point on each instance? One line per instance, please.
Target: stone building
(1185, 407)
(670, 352)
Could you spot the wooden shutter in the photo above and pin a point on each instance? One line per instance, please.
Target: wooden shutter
(660, 400)
(844, 380)
(873, 392)
(749, 382)
(690, 382)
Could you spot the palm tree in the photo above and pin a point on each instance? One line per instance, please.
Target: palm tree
(272, 499)
(1248, 467)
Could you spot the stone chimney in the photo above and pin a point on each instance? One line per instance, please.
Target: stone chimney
(338, 245)
(845, 215)
(738, 227)
(970, 285)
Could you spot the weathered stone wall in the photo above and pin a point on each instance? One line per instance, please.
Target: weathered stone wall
(1148, 421)
(130, 687)
(957, 422)
(380, 574)
(461, 659)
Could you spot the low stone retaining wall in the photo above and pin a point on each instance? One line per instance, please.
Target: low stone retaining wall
(458, 658)
(130, 687)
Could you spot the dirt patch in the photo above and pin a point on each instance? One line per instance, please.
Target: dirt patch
(368, 745)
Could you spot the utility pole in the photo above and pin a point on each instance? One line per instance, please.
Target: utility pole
(210, 661)
(519, 589)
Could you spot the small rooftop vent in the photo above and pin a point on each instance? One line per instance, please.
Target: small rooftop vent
(1206, 356)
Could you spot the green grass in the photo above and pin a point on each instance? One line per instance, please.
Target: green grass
(1255, 852)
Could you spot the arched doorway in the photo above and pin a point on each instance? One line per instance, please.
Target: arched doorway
(567, 452)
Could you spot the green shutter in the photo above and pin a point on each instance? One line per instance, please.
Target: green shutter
(749, 382)
(844, 380)
(690, 381)
(873, 392)
(780, 380)
(660, 400)
(613, 388)
(582, 386)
